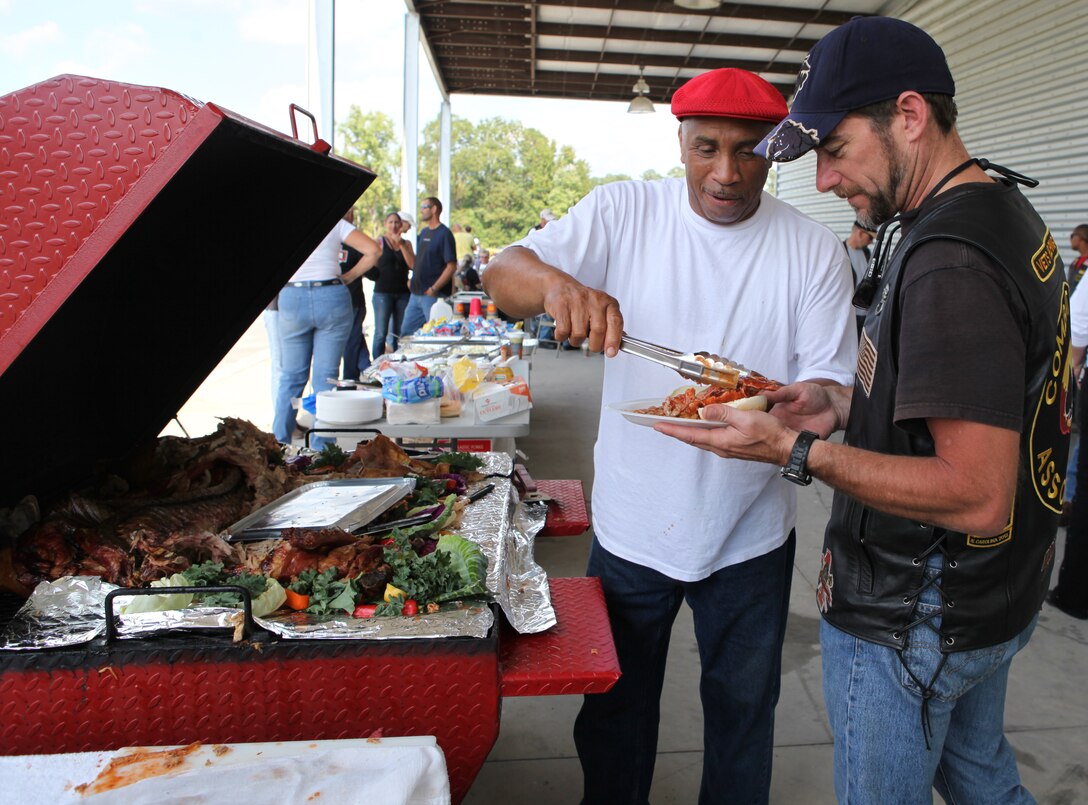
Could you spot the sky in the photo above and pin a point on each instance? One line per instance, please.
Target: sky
(250, 56)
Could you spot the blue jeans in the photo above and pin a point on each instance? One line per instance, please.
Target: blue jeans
(875, 709)
(356, 353)
(275, 353)
(740, 622)
(417, 313)
(314, 324)
(388, 317)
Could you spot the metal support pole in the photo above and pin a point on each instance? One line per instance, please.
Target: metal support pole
(409, 171)
(321, 67)
(445, 189)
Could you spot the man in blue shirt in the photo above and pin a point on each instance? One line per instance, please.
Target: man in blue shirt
(436, 260)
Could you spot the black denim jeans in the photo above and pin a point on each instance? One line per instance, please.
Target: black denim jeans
(740, 622)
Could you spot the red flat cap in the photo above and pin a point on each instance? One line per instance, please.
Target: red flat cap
(729, 92)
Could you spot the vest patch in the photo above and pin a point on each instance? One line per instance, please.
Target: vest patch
(1045, 257)
(866, 363)
(975, 541)
(1053, 417)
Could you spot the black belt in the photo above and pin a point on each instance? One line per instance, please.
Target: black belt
(313, 283)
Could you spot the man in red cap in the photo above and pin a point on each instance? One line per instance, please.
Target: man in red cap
(706, 262)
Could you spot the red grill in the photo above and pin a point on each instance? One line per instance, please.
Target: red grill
(141, 232)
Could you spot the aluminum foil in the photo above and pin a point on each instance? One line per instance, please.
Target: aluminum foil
(59, 613)
(70, 611)
(526, 597)
(505, 529)
(139, 624)
(471, 620)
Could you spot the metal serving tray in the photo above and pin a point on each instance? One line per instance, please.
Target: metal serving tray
(343, 503)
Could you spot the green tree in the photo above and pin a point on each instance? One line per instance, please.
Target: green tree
(651, 175)
(610, 177)
(677, 173)
(369, 139)
(502, 174)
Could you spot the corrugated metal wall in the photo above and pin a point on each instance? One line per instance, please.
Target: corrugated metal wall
(1023, 103)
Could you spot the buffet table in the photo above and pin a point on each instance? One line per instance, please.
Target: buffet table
(464, 431)
(497, 435)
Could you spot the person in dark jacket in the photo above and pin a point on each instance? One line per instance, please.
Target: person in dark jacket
(948, 484)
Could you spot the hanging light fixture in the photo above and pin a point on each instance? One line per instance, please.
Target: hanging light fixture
(698, 5)
(640, 104)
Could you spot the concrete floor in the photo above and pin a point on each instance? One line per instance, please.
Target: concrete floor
(534, 760)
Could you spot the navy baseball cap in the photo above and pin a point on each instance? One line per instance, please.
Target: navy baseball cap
(867, 60)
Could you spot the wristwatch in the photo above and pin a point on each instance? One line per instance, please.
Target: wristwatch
(796, 469)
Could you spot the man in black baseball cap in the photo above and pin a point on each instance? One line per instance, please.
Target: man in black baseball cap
(939, 549)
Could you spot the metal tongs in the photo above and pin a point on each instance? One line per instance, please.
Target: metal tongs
(728, 378)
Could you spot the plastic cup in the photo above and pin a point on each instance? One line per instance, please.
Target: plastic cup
(474, 307)
(517, 341)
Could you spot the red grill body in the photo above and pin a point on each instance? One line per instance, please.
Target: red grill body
(141, 232)
(155, 693)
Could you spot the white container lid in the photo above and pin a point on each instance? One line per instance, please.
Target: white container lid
(350, 407)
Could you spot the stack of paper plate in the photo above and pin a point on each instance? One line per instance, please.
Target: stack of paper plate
(349, 407)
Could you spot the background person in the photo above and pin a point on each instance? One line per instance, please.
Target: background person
(711, 262)
(857, 249)
(1070, 594)
(391, 285)
(271, 318)
(462, 241)
(436, 260)
(1079, 241)
(546, 217)
(315, 316)
(356, 358)
(941, 540)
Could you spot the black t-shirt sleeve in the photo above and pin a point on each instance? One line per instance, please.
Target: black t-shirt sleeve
(962, 341)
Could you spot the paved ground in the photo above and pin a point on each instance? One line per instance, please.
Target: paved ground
(534, 759)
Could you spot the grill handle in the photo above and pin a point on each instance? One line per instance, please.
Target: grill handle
(318, 144)
(249, 628)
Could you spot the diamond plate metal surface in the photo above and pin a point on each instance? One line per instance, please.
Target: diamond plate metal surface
(567, 515)
(447, 688)
(575, 656)
(70, 149)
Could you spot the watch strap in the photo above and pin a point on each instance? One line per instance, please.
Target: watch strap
(796, 468)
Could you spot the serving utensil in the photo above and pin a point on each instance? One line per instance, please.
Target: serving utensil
(729, 377)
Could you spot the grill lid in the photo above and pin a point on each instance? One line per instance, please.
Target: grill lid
(141, 233)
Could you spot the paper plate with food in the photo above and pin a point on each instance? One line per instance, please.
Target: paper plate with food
(718, 381)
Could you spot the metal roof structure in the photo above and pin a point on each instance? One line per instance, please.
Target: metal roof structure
(593, 49)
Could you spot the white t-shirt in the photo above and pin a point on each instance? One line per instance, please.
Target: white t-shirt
(771, 292)
(1078, 315)
(324, 262)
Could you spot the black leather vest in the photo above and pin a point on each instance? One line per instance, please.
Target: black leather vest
(992, 586)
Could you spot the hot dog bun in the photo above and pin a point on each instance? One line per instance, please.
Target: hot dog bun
(757, 403)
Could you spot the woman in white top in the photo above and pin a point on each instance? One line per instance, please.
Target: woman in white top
(315, 315)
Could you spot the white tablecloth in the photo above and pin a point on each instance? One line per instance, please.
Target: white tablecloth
(392, 771)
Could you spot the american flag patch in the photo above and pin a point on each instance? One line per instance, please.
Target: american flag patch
(866, 363)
